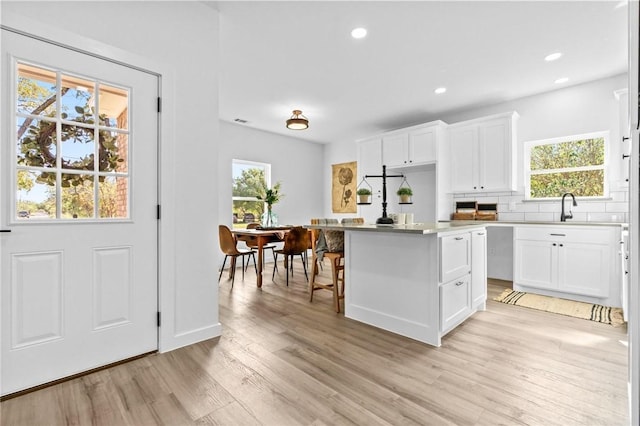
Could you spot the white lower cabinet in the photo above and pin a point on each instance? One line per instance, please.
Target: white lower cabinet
(455, 302)
(479, 270)
(463, 276)
(571, 262)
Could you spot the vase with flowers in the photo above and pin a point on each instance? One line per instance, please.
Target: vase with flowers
(270, 196)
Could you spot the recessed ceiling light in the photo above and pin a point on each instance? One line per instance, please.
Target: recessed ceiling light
(359, 33)
(562, 80)
(440, 90)
(553, 57)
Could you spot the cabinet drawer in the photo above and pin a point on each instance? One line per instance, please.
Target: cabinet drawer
(597, 235)
(455, 256)
(455, 302)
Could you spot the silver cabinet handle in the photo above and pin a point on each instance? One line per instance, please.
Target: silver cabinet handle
(480, 233)
(458, 238)
(459, 283)
(559, 235)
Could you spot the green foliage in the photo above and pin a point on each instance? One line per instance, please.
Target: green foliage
(363, 191)
(567, 155)
(270, 195)
(248, 184)
(404, 191)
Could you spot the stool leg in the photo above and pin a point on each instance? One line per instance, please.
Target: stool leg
(334, 273)
(312, 280)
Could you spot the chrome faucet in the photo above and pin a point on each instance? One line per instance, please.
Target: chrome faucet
(563, 216)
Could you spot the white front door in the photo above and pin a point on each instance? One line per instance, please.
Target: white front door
(78, 184)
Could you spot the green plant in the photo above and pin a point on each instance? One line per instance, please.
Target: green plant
(270, 195)
(404, 191)
(363, 191)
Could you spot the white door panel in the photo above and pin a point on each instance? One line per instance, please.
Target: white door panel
(78, 293)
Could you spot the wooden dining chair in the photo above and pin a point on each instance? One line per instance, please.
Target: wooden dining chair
(229, 246)
(296, 243)
(252, 242)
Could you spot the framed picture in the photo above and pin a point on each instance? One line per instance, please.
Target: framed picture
(343, 187)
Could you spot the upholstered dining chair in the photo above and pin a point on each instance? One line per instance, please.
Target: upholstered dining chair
(229, 246)
(296, 243)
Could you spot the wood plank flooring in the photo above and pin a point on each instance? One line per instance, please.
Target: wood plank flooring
(284, 361)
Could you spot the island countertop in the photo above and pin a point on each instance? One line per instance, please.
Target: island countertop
(416, 228)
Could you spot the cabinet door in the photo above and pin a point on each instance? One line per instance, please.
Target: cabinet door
(584, 268)
(535, 264)
(478, 268)
(370, 163)
(463, 144)
(455, 256)
(495, 159)
(455, 303)
(395, 150)
(423, 145)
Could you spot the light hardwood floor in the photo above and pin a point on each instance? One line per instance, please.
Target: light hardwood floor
(284, 361)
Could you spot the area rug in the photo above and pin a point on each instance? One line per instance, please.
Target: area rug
(588, 311)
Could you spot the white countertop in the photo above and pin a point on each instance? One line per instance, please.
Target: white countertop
(416, 228)
(515, 223)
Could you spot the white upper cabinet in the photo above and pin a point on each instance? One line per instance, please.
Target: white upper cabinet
(412, 146)
(483, 154)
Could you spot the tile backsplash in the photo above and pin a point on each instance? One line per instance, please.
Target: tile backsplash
(512, 207)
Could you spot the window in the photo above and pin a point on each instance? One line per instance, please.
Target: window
(576, 164)
(248, 178)
(72, 146)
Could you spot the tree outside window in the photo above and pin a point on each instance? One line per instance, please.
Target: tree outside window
(574, 164)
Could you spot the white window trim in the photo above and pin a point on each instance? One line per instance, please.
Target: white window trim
(592, 135)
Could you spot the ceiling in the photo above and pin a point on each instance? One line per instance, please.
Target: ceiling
(280, 56)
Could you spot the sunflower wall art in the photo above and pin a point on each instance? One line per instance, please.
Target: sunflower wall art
(343, 187)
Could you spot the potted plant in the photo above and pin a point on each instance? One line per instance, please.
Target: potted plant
(405, 194)
(364, 195)
(270, 196)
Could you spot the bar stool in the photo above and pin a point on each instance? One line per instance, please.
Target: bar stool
(337, 267)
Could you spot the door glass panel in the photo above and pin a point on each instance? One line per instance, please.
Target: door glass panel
(113, 103)
(113, 151)
(78, 147)
(77, 196)
(112, 196)
(36, 195)
(36, 91)
(78, 100)
(60, 151)
(36, 142)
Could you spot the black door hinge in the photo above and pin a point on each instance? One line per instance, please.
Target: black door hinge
(159, 104)
(158, 318)
(158, 211)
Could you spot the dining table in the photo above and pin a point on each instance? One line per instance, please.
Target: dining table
(261, 236)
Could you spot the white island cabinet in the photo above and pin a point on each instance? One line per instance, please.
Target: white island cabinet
(394, 277)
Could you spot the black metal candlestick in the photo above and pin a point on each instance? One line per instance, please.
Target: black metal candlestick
(384, 220)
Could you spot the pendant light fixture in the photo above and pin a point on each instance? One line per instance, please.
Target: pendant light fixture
(297, 121)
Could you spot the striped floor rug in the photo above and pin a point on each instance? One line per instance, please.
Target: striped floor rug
(588, 311)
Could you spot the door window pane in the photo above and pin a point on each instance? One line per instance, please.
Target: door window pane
(56, 150)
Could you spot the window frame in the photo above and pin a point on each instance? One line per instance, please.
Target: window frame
(254, 164)
(527, 172)
(59, 170)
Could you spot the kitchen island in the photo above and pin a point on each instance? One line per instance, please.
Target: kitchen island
(419, 281)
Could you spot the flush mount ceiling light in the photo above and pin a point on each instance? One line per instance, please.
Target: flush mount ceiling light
(359, 33)
(297, 121)
(553, 56)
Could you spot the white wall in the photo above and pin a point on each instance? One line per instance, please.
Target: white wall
(296, 163)
(180, 41)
